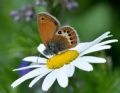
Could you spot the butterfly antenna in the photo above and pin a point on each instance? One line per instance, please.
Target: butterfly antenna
(38, 58)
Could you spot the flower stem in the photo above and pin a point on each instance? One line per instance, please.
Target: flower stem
(75, 89)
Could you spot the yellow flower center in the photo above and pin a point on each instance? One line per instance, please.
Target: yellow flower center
(60, 60)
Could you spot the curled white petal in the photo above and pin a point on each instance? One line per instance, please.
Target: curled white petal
(35, 59)
(92, 59)
(49, 80)
(41, 48)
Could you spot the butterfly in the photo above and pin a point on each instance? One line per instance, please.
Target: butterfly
(55, 37)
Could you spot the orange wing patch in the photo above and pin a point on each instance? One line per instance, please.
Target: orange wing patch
(47, 26)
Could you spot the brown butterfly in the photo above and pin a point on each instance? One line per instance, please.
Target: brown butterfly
(54, 37)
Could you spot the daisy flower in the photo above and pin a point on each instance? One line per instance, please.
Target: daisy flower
(62, 66)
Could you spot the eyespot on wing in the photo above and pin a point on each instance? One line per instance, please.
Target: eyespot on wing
(69, 33)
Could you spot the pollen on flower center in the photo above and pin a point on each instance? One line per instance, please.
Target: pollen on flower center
(60, 60)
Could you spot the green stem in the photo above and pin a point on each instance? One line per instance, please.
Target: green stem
(75, 89)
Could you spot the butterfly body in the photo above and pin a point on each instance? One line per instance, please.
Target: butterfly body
(54, 47)
(55, 38)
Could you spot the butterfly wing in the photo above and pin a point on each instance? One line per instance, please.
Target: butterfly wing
(47, 26)
(69, 36)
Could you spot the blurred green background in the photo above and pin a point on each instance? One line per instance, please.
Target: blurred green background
(19, 38)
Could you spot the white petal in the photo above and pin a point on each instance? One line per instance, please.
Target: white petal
(94, 49)
(37, 78)
(107, 42)
(99, 39)
(102, 37)
(29, 75)
(70, 70)
(81, 46)
(49, 80)
(41, 48)
(62, 77)
(28, 67)
(84, 46)
(92, 59)
(35, 59)
(83, 65)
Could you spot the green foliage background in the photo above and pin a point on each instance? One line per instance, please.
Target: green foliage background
(91, 19)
